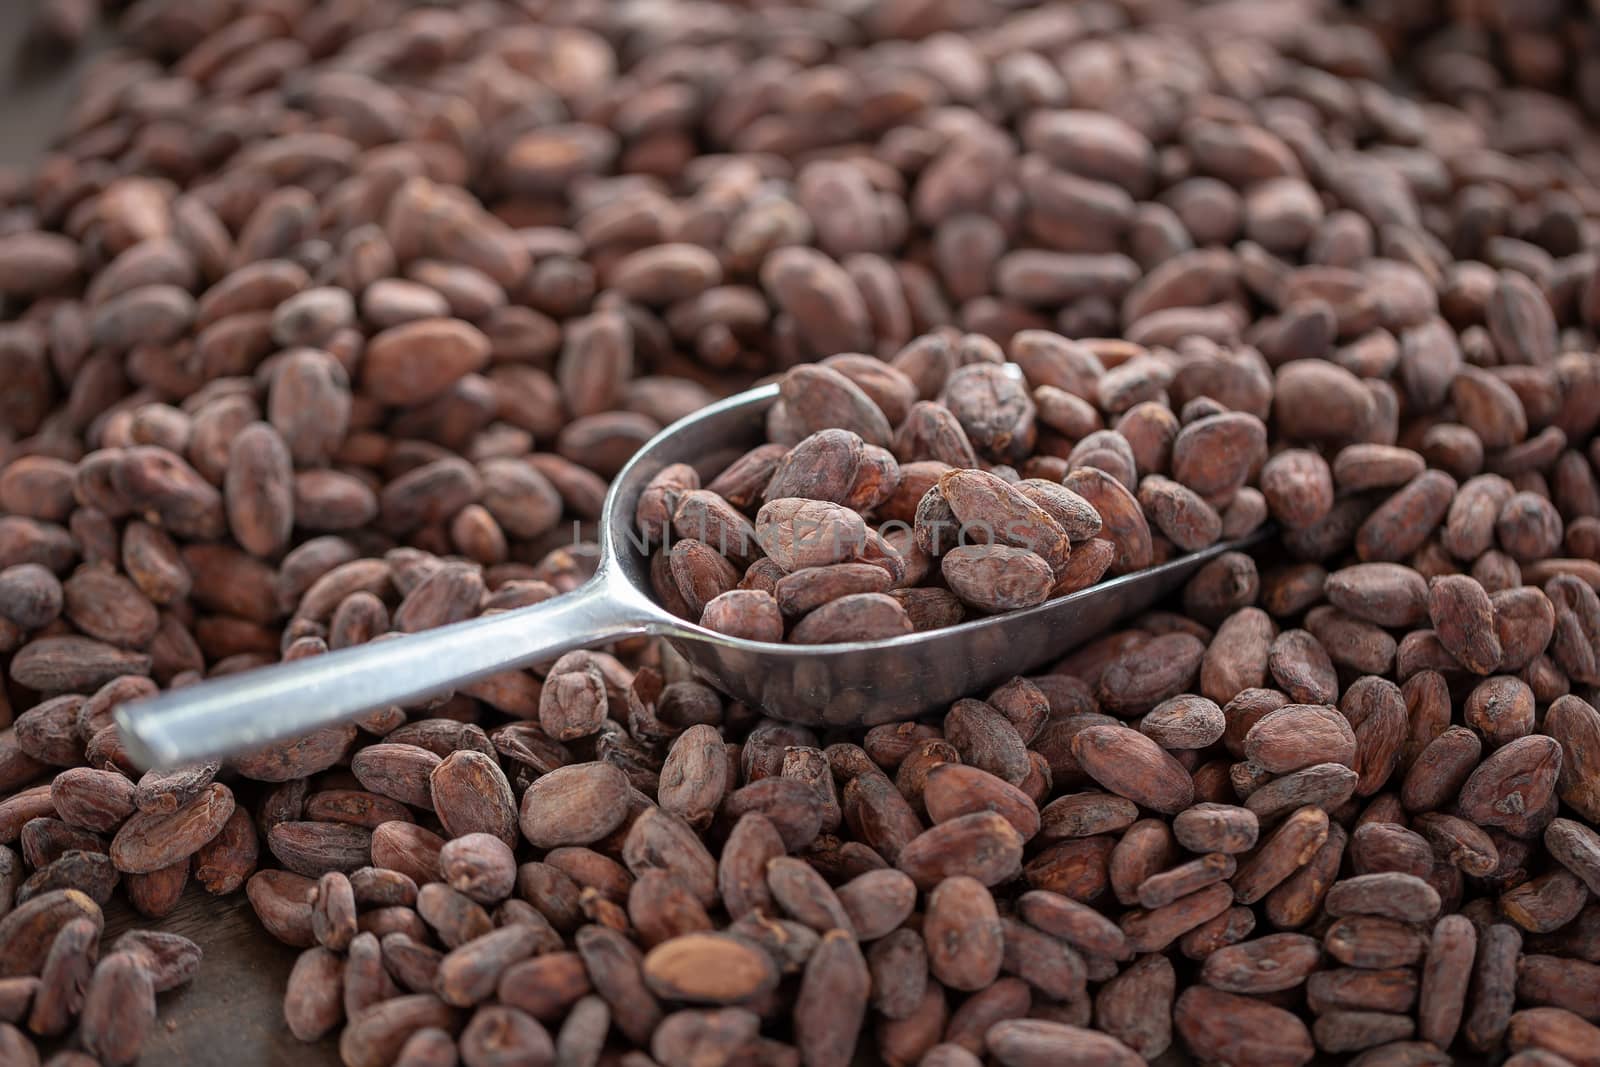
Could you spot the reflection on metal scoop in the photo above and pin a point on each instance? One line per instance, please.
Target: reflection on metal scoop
(848, 684)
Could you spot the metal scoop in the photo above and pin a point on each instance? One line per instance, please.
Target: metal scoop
(849, 684)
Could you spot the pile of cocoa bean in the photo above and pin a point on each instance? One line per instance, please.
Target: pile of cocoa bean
(848, 532)
(323, 323)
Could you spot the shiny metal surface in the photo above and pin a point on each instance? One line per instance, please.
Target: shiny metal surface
(861, 683)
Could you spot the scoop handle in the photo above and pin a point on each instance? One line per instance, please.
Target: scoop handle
(253, 709)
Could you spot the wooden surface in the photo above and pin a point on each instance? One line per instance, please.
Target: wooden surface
(37, 87)
(231, 1014)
